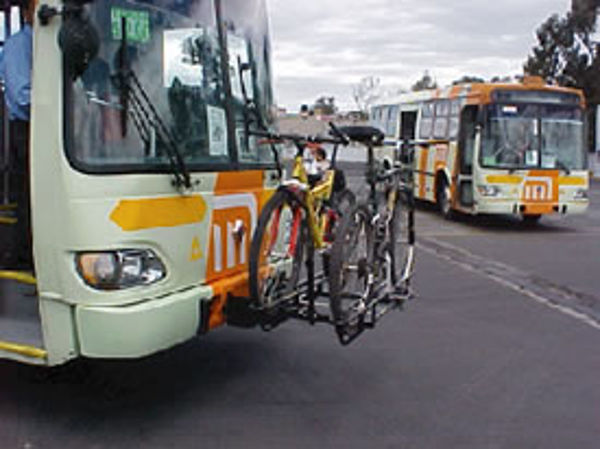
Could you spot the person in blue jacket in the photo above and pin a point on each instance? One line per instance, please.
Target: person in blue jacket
(15, 72)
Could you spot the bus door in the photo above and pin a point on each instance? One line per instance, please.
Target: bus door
(21, 335)
(467, 142)
(408, 124)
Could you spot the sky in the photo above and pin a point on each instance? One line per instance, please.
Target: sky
(324, 47)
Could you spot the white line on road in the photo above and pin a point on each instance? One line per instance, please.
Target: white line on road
(475, 268)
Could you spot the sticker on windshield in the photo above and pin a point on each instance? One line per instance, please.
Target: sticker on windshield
(548, 161)
(531, 158)
(137, 23)
(217, 131)
(182, 57)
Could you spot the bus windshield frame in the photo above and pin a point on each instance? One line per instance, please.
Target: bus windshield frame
(533, 136)
(197, 61)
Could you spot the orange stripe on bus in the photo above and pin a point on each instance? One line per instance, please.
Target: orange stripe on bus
(423, 162)
(150, 213)
(239, 182)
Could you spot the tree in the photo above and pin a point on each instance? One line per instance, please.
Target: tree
(468, 79)
(425, 83)
(366, 92)
(566, 55)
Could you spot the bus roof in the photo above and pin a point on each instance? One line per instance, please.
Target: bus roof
(478, 93)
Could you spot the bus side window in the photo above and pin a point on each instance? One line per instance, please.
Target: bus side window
(426, 122)
(440, 126)
(392, 128)
(466, 143)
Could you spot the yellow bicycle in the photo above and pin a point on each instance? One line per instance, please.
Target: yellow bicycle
(298, 221)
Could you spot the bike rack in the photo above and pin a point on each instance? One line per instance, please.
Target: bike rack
(306, 304)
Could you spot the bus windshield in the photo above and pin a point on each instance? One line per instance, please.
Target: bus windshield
(173, 49)
(533, 136)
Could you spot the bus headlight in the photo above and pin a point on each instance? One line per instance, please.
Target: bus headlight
(489, 191)
(117, 270)
(581, 194)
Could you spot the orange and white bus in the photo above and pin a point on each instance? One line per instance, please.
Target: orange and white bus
(488, 148)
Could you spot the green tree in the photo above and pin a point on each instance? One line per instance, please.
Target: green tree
(566, 55)
(468, 79)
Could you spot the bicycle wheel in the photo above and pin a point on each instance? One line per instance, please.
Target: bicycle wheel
(350, 274)
(341, 203)
(279, 247)
(401, 239)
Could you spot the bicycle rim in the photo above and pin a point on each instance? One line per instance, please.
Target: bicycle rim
(401, 239)
(350, 277)
(277, 251)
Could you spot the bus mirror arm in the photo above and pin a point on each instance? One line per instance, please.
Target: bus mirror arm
(72, 7)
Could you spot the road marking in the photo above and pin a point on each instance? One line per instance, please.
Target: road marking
(560, 298)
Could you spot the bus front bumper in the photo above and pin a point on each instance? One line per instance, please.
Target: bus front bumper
(510, 207)
(140, 329)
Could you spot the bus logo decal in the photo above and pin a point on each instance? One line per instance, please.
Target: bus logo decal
(234, 217)
(538, 189)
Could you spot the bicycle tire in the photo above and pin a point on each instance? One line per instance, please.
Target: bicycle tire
(265, 290)
(350, 257)
(401, 238)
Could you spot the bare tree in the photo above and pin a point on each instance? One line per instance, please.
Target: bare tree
(366, 92)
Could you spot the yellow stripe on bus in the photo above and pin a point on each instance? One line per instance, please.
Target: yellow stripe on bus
(504, 179)
(24, 350)
(569, 181)
(137, 215)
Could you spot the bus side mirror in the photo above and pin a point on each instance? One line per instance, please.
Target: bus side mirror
(79, 41)
(78, 38)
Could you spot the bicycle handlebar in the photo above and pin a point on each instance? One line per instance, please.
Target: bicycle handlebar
(300, 139)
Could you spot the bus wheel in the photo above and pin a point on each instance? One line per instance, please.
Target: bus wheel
(531, 220)
(442, 198)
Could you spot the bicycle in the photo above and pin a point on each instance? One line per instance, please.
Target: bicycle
(372, 257)
(298, 220)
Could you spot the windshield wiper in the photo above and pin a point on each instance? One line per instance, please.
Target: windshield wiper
(135, 102)
(560, 164)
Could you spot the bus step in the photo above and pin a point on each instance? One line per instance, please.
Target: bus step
(21, 334)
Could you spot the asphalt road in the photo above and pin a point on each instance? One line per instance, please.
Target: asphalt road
(499, 350)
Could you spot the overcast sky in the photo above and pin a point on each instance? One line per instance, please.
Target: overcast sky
(323, 47)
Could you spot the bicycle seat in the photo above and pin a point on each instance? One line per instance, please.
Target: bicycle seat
(367, 135)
